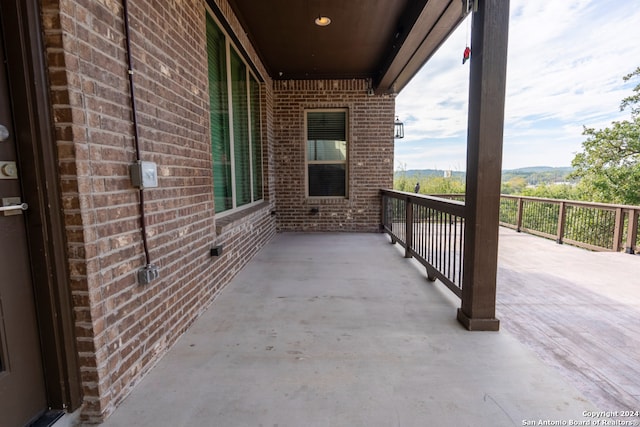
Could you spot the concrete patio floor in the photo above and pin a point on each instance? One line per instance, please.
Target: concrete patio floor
(340, 330)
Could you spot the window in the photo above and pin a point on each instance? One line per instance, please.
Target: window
(234, 98)
(326, 153)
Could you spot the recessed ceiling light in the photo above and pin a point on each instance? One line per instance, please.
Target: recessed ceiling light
(323, 21)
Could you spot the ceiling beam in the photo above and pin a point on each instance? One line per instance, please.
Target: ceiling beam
(434, 25)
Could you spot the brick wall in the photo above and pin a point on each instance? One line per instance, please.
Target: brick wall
(370, 155)
(123, 328)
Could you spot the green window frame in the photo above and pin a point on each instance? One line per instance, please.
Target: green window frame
(327, 153)
(236, 147)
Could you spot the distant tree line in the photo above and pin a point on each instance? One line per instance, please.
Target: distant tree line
(539, 182)
(428, 182)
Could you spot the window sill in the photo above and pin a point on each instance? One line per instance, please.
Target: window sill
(327, 200)
(230, 221)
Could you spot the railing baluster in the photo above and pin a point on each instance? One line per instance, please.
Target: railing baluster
(418, 224)
(423, 223)
(454, 245)
(408, 228)
(439, 234)
(430, 234)
(449, 234)
(583, 221)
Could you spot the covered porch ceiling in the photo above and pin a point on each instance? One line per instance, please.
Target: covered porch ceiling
(386, 41)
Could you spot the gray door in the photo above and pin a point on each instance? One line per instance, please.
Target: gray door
(22, 392)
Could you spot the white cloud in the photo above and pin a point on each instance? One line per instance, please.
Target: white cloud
(565, 67)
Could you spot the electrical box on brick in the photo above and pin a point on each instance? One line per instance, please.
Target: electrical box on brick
(144, 174)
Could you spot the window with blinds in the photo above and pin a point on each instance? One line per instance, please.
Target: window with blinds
(219, 117)
(234, 97)
(326, 153)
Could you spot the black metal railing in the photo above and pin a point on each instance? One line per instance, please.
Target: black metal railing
(431, 229)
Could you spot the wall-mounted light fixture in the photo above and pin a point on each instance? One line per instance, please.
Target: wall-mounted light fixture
(398, 128)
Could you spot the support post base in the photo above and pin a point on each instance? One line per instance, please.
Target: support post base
(478, 324)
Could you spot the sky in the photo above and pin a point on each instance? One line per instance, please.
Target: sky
(565, 64)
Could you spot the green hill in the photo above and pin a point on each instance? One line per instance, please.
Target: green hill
(538, 174)
(533, 175)
(424, 173)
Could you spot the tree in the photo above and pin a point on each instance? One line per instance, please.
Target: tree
(440, 185)
(609, 164)
(554, 191)
(514, 185)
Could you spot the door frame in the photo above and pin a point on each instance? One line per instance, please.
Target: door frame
(37, 153)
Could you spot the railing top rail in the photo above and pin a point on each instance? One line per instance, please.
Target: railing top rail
(572, 202)
(446, 205)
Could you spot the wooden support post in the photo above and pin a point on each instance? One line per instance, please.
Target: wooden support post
(562, 220)
(632, 232)
(484, 164)
(617, 230)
